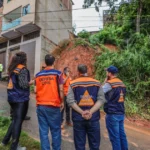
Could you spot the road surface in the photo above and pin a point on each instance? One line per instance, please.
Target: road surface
(138, 138)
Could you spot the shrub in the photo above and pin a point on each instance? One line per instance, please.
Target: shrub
(109, 35)
(84, 34)
(82, 42)
(4, 121)
(134, 70)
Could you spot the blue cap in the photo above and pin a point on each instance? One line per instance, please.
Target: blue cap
(112, 69)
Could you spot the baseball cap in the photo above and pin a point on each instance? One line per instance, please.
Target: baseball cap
(112, 69)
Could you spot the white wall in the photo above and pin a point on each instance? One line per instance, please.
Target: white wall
(88, 17)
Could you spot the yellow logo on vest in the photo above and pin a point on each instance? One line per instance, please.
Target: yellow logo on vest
(86, 100)
(121, 99)
(10, 84)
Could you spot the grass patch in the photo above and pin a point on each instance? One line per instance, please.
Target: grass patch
(133, 109)
(25, 140)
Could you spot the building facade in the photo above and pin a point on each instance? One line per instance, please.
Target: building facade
(33, 26)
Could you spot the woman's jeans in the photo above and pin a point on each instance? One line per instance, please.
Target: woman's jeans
(19, 111)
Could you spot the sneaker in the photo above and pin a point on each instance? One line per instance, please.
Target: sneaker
(21, 148)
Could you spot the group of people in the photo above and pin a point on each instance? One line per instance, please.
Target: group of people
(54, 90)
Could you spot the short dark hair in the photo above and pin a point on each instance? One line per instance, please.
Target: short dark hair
(82, 68)
(49, 60)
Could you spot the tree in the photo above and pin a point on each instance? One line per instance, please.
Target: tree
(98, 3)
(140, 15)
(142, 5)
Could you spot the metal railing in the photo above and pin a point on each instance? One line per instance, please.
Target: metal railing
(10, 25)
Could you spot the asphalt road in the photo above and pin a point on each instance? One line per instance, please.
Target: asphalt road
(138, 138)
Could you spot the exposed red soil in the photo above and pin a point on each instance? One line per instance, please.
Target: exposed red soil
(78, 55)
(71, 59)
(70, 56)
(139, 122)
(134, 120)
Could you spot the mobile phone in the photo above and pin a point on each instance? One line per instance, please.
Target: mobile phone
(65, 72)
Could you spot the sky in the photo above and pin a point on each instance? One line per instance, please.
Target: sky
(86, 18)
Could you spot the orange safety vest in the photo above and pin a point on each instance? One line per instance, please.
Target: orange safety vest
(17, 71)
(66, 85)
(47, 87)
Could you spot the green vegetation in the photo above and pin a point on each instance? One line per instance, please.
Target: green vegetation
(82, 42)
(84, 34)
(25, 140)
(129, 31)
(135, 72)
(32, 88)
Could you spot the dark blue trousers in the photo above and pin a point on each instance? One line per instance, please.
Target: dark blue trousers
(68, 110)
(89, 128)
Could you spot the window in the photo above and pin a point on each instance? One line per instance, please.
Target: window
(26, 10)
(32, 35)
(3, 45)
(15, 41)
(61, 6)
(3, 58)
(1, 3)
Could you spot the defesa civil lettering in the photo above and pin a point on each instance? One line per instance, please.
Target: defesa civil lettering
(46, 80)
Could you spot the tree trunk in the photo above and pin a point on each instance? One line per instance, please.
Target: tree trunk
(138, 19)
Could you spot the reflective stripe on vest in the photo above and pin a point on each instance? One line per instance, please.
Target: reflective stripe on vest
(85, 82)
(116, 83)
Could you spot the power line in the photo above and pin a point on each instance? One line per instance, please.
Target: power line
(53, 21)
(63, 28)
(116, 14)
(107, 21)
(74, 20)
(70, 28)
(59, 10)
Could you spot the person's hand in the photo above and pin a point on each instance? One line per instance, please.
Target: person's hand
(106, 79)
(87, 114)
(62, 106)
(67, 74)
(31, 82)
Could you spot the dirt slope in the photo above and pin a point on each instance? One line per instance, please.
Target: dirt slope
(69, 55)
(78, 55)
